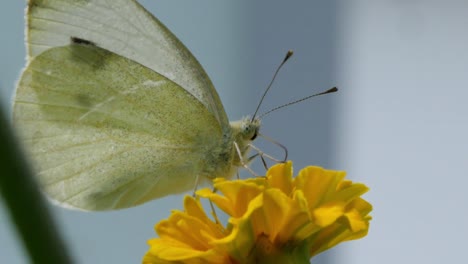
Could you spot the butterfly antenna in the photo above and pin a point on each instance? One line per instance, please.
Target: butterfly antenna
(286, 58)
(331, 90)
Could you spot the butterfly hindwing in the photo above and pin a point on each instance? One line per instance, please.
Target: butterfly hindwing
(106, 132)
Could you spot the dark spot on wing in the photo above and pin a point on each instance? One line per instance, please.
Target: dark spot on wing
(76, 40)
(88, 53)
(84, 100)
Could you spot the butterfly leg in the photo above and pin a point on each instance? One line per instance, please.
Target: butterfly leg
(213, 210)
(242, 160)
(264, 155)
(261, 157)
(197, 181)
(264, 162)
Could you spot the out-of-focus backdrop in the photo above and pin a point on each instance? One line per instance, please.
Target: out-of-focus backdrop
(398, 124)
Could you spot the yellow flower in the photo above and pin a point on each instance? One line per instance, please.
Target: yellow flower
(273, 219)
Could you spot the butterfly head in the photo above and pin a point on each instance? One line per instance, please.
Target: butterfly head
(249, 128)
(243, 133)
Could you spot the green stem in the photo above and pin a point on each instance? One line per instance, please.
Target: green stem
(25, 203)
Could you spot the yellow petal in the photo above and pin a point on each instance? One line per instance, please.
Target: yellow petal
(234, 196)
(328, 214)
(356, 222)
(318, 184)
(280, 176)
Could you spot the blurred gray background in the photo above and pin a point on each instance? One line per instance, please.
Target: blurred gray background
(398, 124)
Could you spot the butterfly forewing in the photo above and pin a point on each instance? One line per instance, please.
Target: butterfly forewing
(125, 28)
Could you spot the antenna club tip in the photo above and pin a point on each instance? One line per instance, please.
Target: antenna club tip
(288, 55)
(334, 89)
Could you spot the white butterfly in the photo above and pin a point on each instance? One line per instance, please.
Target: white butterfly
(115, 111)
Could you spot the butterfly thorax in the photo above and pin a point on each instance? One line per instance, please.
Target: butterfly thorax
(235, 141)
(236, 145)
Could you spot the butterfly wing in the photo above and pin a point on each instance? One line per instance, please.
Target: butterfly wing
(125, 28)
(105, 132)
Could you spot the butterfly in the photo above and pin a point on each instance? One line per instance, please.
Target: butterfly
(115, 111)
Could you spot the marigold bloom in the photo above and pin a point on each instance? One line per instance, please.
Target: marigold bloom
(273, 219)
